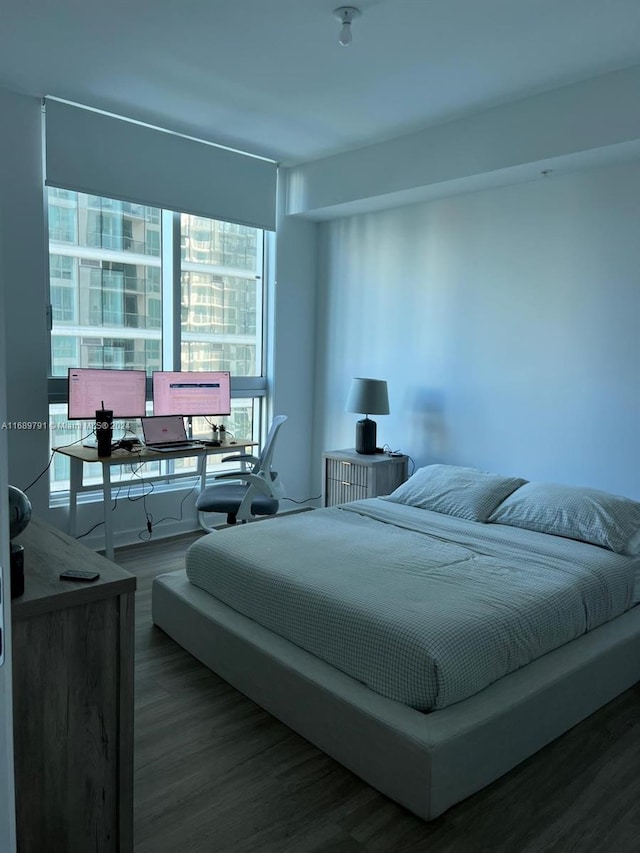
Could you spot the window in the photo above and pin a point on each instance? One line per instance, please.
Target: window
(62, 270)
(64, 349)
(109, 271)
(221, 296)
(63, 289)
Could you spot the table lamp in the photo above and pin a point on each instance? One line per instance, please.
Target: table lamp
(368, 397)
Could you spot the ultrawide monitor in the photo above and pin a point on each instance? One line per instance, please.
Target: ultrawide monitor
(192, 392)
(90, 389)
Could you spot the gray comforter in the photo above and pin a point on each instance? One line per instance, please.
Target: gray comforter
(424, 608)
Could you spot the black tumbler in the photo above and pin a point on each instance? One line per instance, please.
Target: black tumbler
(104, 431)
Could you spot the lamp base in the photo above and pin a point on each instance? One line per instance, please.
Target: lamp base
(366, 436)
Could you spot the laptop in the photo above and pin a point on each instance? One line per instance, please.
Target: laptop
(164, 433)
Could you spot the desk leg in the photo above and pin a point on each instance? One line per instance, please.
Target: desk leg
(203, 472)
(75, 484)
(108, 519)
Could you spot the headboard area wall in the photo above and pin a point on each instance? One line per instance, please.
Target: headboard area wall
(506, 322)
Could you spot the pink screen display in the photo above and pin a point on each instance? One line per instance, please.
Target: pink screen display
(123, 391)
(195, 392)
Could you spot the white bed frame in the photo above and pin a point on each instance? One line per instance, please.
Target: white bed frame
(426, 762)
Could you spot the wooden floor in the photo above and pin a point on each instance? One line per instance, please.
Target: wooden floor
(215, 773)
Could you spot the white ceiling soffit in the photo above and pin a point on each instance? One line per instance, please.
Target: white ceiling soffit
(594, 122)
(269, 77)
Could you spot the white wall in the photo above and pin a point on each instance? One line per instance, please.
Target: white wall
(23, 282)
(7, 791)
(506, 322)
(292, 351)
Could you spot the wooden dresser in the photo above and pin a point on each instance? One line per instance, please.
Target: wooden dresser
(73, 700)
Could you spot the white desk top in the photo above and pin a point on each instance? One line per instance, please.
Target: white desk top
(143, 454)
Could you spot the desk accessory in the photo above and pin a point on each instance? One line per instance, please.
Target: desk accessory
(104, 430)
(79, 575)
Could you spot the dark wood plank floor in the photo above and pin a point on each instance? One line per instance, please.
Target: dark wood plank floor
(215, 773)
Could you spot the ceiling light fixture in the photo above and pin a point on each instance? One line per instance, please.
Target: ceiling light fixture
(346, 14)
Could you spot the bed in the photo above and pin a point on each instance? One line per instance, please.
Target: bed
(431, 640)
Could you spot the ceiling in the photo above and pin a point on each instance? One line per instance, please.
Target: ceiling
(269, 77)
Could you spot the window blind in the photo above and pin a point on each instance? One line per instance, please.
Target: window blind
(90, 152)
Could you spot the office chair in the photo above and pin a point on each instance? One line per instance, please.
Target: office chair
(257, 494)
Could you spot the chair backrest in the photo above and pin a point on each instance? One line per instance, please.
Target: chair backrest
(264, 460)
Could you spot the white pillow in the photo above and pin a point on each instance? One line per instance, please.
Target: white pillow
(449, 489)
(589, 515)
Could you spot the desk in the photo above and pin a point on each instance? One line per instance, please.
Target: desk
(81, 455)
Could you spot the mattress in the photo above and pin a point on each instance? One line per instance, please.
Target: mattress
(422, 608)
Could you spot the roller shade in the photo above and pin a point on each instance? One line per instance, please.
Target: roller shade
(104, 155)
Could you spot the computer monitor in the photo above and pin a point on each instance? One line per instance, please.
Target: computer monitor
(90, 389)
(192, 392)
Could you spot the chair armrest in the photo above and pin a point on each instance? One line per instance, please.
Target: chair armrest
(240, 457)
(230, 475)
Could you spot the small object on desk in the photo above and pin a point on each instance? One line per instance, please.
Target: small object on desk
(78, 575)
(104, 430)
(171, 448)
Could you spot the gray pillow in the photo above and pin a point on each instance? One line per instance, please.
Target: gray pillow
(574, 512)
(464, 492)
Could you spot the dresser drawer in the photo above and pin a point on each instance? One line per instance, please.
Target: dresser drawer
(348, 473)
(339, 492)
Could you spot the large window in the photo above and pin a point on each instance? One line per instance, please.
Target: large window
(116, 272)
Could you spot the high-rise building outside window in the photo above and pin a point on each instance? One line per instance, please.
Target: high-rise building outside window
(221, 291)
(109, 266)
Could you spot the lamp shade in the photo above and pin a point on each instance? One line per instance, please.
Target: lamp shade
(368, 397)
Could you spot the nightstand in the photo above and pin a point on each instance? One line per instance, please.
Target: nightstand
(351, 476)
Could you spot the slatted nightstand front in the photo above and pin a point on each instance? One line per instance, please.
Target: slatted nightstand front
(351, 476)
